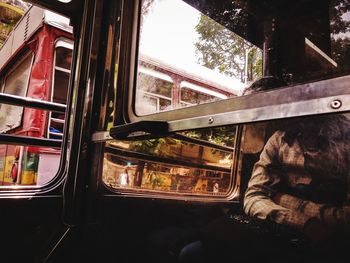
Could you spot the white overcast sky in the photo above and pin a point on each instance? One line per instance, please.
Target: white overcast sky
(168, 31)
(168, 34)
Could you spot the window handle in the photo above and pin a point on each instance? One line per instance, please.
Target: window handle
(140, 130)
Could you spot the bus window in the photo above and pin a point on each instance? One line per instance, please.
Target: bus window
(215, 57)
(61, 75)
(15, 83)
(193, 163)
(192, 97)
(174, 47)
(156, 91)
(32, 155)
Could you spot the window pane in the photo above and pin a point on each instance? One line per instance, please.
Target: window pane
(24, 165)
(32, 76)
(16, 83)
(174, 48)
(192, 97)
(216, 50)
(63, 58)
(60, 86)
(193, 162)
(155, 92)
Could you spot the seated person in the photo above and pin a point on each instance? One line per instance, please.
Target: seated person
(300, 185)
(298, 193)
(302, 177)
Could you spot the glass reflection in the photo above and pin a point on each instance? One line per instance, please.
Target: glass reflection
(209, 51)
(178, 46)
(194, 162)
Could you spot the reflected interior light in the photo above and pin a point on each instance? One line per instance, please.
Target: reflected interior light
(156, 74)
(318, 51)
(123, 177)
(185, 84)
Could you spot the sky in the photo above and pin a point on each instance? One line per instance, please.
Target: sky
(168, 33)
(168, 30)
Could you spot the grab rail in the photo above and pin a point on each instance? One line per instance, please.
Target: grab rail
(32, 103)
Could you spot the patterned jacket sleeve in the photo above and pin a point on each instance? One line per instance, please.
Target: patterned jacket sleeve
(258, 200)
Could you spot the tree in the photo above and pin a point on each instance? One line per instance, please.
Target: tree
(340, 29)
(224, 135)
(221, 49)
(339, 24)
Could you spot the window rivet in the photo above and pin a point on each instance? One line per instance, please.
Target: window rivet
(210, 120)
(336, 104)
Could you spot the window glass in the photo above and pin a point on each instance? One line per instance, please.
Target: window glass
(194, 162)
(16, 83)
(216, 50)
(156, 92)
(199, 59)
(42, 75)
(193, 97)
(63, 58)
(24, 165)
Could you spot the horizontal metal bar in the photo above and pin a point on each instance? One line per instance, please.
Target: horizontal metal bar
(62, 69)
(56, 134)
(26, 140)
(31, 103)
(58, 120)
(292, 101)
(287, 110)
(140, 130)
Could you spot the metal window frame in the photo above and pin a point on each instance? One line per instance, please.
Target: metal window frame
(24, 190)
(291, 101)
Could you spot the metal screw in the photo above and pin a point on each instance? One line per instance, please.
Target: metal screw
(210, 120)
(336, 104)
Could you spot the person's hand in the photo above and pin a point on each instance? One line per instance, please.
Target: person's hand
(315, 231)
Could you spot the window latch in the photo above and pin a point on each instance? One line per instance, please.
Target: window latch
(140, 130)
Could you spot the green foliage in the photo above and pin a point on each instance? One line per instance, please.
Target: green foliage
(153, 146)
(341, 52)
(255, 64)
(338, 23)
(221, 49)
(5, 30)
(220, 135)
(340, 26)
(157, 181)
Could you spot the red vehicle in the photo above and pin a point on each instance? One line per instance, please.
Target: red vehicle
(35, 63)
